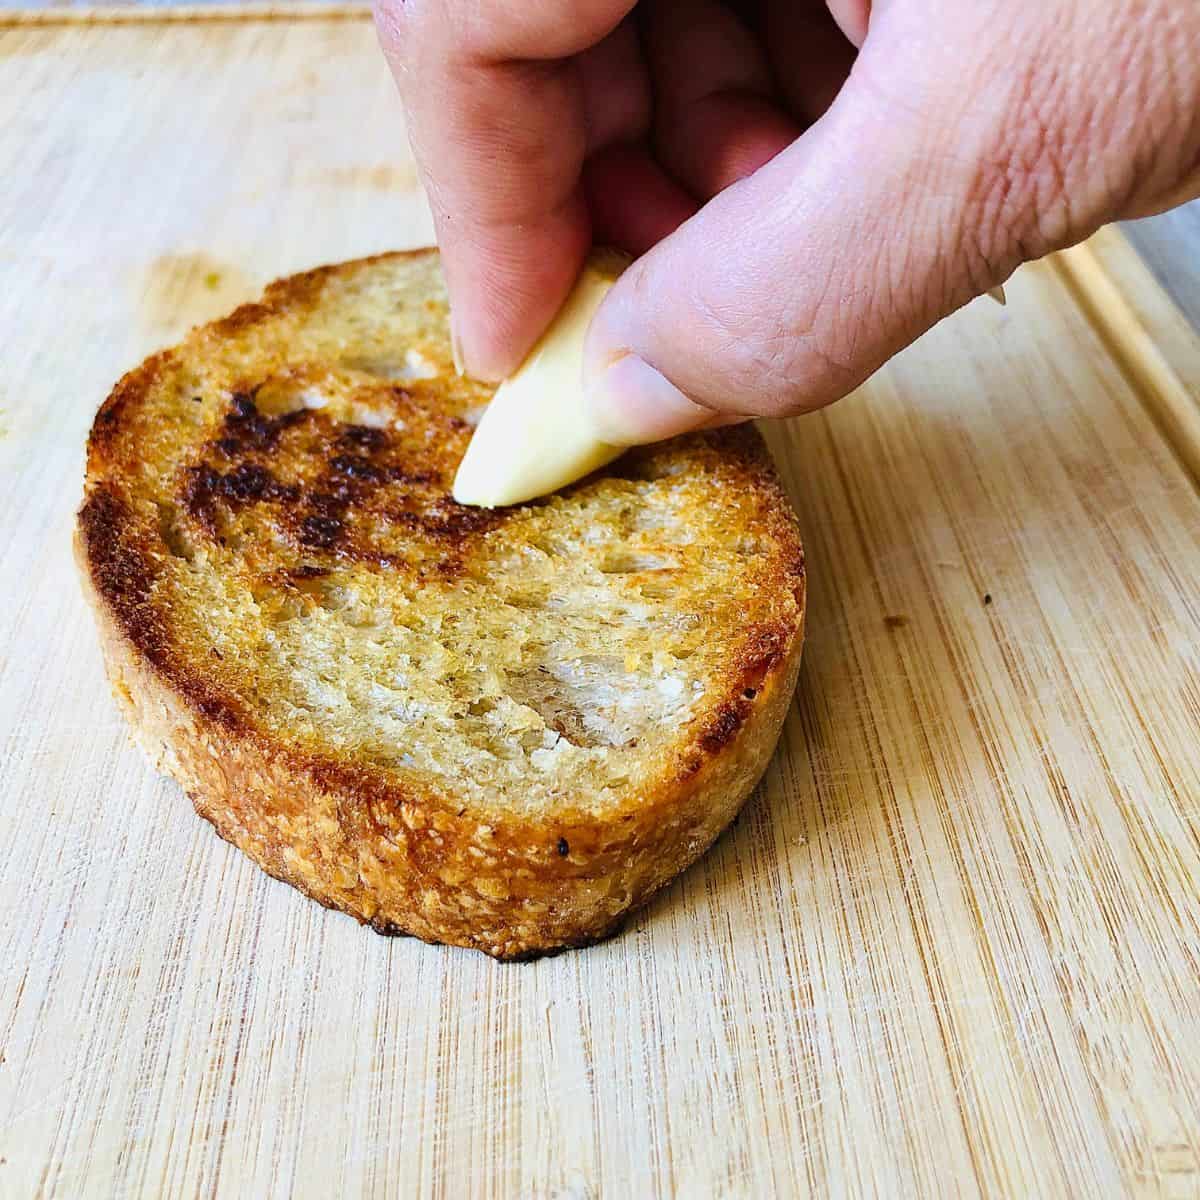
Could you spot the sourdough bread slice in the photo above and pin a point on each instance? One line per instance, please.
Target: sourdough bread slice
(499, 729)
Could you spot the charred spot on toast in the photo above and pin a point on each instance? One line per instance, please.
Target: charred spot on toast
(340, 489)
(722, 727)
(246, 429)
(120, 571)
(204, 488)
(124, 571)
(109, 426)
(763, 649)
(363, 439)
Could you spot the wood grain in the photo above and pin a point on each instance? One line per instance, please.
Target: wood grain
(1155, 353)
(168, 12)
(950, 949)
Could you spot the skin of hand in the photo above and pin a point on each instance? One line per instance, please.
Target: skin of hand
(810, 185)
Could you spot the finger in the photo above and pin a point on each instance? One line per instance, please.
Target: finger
(810, 55)
(715, 117)
(633, 202)
(696, 47)
(498, 126)
(722, 138)
(852, 17)
(615, 88)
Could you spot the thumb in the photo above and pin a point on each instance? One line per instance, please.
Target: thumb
(793, 285)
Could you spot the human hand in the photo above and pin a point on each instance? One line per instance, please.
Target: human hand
(811, 186)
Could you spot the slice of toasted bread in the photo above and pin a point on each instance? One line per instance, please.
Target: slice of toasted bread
(494, 729)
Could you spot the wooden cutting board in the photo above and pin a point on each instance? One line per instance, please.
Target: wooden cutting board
(951, 948)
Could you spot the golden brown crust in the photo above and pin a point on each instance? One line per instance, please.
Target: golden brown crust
(394, 848)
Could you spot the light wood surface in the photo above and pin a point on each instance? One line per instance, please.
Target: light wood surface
(951, 948)
(183, 12)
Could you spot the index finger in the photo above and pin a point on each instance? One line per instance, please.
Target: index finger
(497, 122)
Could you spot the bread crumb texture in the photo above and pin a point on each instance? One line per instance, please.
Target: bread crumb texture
(406, 707)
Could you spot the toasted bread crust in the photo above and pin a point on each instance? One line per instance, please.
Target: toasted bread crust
(397, 850)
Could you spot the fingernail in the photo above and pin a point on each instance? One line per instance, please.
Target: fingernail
(456, 353)
(631, 403)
